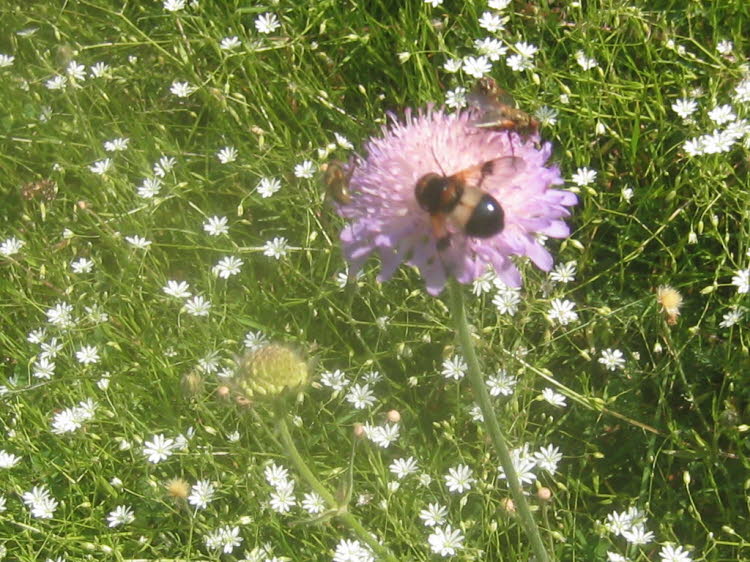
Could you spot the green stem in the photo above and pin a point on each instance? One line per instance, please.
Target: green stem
(341, 513)
(491, 424)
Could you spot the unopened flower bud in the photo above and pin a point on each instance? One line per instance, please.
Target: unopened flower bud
(508, 505)
(393, 416)
(269, 372)
(192, 384)
(359, 430)
(544, 494)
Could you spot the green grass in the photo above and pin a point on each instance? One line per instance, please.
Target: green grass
(679, 409)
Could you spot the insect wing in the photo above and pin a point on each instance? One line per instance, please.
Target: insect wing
(499, 171)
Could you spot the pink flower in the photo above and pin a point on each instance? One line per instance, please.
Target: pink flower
(385, 217)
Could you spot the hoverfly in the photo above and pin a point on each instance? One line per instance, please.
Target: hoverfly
(459, 199)
(336, 179)
(498, 109)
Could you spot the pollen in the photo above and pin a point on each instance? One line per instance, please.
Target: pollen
(670, 300)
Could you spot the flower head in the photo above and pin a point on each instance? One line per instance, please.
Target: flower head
(386, 218)
(270, 371)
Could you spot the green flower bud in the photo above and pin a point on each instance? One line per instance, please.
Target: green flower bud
(269, 372)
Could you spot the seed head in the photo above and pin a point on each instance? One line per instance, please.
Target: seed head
(670, 300)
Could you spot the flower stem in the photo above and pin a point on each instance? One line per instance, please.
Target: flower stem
(490, 421)
(341, 511)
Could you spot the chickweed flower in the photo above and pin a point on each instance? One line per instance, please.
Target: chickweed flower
(741, 280)
(454, 368)
(669, 553)
(561, 311)
(276, 248)
(403, 467)
(227, 154)
(553, 397)
(352, 551)
(584, 176)
(267, 23)
(8, 460)
(268, 186)
(181, 89)
(305, 170)
(392, 223)
(433, 515)
(445, 541)
(230, 43)
(612, 359)
(121, 515)
(685, 107)
(459, 479)
(11, 246)
(477, 66)
(201, 494)
(159, 449)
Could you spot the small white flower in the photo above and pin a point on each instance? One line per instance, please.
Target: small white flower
(267, 23)
(731, 318)
(56, 82)
(524, 57)
(585, 62)
(459, 479)
(44, 368)
(216, 226)
(201, 494)
(685, 107)
(343, 142)
(492, 22)
(693, 147)
(445, 541)
(116, 145)
(722, 114)
(490, 47)
(313, 503)
(453, 65)
(742, 91)
(352, 551)
(305, 170)
(82, 265)
(456, 99)
(741, 280)
(255, 340)
(138, 242)
(101, 167)
(584, 176)
(433, 3)
(553, 397)
(523, 463)
(638, 535)
(612, 359)
(477, 66)
(434, 515)
(99, 70)
(725, 47)
(546, 116)
(507, 299)
(87, 355)
(227, 154)
(282, 498)
(384, 435)
(403, 467)
(181, 89)
(276, 248)
(454, 368)
(563, 272)
(276, 476)
(159, 449)
(562, 311)
(335, 380)
(501, 383)
(76, 71)
(8, 460)
(227, 267)
(11, 246)
(164, 166)
(174, 5)
(197, 306)
(6, 60)
(669, 553)
(498, 4)
(149, 188)
(268, 186)
(178, 289)
(121, 515)
(360, 396)
(230, 43)
(548, 458)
